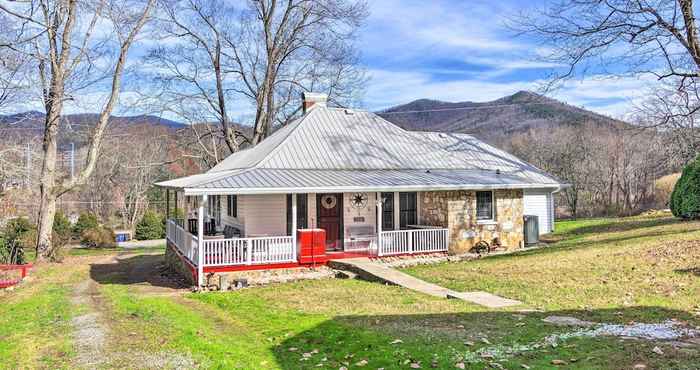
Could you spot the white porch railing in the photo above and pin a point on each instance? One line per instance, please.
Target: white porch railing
(232, 252)
(413, 241)
(248, 251)
(185, 242)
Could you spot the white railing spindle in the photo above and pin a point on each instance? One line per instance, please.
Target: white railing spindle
(413, 241)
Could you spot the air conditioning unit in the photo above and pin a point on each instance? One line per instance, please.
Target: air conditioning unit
(532, 230)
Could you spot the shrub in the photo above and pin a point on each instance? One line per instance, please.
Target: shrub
(685, 199)
(98, 237)
(62, 230)
(663, 188)
(85, 221)
(150, 227)
(18, 235)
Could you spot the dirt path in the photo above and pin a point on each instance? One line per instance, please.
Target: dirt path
(91, 328)
(89, 332)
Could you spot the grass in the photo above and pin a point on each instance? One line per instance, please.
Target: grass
(597, 264)
(642, 269)
(35, 320)
(107, 251)
(30, 254)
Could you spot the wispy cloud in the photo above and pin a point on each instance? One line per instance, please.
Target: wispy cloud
(462, 51)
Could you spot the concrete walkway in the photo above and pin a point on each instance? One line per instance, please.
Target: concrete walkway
(372, 271)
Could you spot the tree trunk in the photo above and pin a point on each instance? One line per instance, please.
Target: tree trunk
(47, 202)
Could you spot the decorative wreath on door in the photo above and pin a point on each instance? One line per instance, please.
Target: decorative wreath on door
(329, 201)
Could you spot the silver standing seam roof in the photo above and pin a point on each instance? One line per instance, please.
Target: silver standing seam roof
(341, 150)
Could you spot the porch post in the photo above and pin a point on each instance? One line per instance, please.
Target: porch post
(294, 226)
(184, 222)
(379, 223)
(200, 240)
(167, 204)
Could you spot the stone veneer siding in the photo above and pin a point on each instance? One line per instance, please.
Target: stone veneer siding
(456, 210)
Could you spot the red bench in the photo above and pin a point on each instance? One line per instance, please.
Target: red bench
(21, 268)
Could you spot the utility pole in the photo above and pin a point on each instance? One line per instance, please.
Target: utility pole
(28, 166)
(72, 160)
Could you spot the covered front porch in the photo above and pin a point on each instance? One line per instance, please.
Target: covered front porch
(239, 231)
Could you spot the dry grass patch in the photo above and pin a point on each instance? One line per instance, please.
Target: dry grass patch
(599, 264)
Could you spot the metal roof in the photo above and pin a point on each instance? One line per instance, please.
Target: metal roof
(332, 149)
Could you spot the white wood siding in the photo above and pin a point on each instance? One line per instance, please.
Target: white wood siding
(538, 202)
(263, 215)
(350, 213)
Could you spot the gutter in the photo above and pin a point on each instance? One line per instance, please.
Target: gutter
(349, 189)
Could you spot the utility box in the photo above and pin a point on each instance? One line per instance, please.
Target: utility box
(532, 230)
(311, 245)
(122, 236)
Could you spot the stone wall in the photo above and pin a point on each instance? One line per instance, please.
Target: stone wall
(456, 210)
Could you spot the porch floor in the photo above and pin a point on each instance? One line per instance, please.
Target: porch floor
(331, 255)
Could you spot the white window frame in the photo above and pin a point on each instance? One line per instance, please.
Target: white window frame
(485, 221)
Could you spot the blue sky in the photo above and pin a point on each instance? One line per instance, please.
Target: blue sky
(462, 50)
(444, 50)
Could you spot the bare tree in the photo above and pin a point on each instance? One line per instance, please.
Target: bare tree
(627, 38)
(257, 56)
(612, 170)
(68, 41)
(619, 36)
(133, 166)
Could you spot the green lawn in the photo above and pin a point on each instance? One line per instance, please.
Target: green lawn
(618, 271)
(107, 251)
(599, 264)
(35, 321)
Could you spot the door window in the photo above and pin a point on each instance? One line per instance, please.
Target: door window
(408, 210)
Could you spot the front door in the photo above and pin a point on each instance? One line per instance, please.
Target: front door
(330, 218)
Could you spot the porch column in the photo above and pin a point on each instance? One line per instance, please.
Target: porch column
(200, 240)
(379, 223)
(184, 223)
(294, 225)
(167, 204)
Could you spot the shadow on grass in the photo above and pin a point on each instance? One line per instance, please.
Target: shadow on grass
(438, 340)
(145, 269)
(692, 270)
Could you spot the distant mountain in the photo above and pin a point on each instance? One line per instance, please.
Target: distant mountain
(36, 119)
(495, 120)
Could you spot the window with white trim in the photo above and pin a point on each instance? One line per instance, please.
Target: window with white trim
(232, 206)
(485, 206)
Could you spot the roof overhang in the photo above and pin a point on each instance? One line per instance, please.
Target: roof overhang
(262, 181)
(351, 189)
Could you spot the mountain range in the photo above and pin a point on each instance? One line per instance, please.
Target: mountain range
(495, 120)
(492, 121)
(34, 119)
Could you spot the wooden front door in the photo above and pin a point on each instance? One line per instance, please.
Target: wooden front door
(329, 208)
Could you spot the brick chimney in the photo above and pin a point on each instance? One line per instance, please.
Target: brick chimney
(310, 99)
